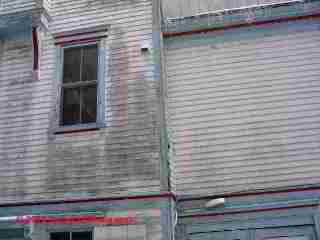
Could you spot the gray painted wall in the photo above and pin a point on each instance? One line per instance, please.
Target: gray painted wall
(243, 108)
(120, 159)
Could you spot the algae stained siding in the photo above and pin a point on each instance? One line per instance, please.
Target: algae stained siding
(120, 159)
(243, 108)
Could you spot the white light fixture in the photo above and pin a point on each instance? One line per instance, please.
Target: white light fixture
(215, 203)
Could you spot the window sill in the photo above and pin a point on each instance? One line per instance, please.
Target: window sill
(77, 128)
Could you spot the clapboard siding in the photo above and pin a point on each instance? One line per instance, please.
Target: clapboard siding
(244, 112)
(184, 8)
(120, 159)
(11, 6)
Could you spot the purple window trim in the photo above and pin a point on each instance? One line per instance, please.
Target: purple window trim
(79, 40)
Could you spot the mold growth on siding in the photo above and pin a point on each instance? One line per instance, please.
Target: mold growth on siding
(74, 168)
(15, 70)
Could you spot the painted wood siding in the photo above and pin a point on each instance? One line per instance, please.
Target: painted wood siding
(12, 6)
(243, 108)
(184, 8)
(120, 159)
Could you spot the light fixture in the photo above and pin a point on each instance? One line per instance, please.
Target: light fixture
(217, 202)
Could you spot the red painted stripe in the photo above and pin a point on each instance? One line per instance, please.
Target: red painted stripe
(238, 25)
(78, 219)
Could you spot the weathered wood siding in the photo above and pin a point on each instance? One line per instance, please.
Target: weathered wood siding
(184, 8)
(12, 6)
(243, 108)
(120, 159)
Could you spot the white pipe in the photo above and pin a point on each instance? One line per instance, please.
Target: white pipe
(14, 218)
(8, 219)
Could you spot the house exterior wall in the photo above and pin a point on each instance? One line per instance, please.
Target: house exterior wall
(120, 159)
(243, 108)
(242, 121)
(146, 219)
(113, 171)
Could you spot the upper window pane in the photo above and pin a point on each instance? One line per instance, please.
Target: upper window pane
(90, 62)
(71, 65)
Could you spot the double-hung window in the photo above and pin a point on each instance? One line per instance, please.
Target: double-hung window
(76, 235)
(79, 98)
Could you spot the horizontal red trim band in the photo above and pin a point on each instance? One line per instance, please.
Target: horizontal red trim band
(78, 219)
(247, 211)
(136, 197)
(246, 24)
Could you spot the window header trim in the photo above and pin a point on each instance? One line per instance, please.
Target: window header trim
(81, 35)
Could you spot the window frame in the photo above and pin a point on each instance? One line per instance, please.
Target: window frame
(70, 230)
(100, 101)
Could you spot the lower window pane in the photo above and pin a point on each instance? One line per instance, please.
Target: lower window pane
(82, 236)
(89, 104)
(60, 236)
(71, 106)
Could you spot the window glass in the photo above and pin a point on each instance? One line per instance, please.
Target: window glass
(71, 106)
(89, 104)
(82, 236)
(60, 236)
(90, 62)
(71, 65)
(85, 235)
(79, 85)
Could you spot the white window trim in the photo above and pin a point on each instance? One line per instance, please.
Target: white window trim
(100, 121)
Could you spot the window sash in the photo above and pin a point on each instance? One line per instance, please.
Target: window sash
(79, 85)
(81, 104)
(101, 81)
